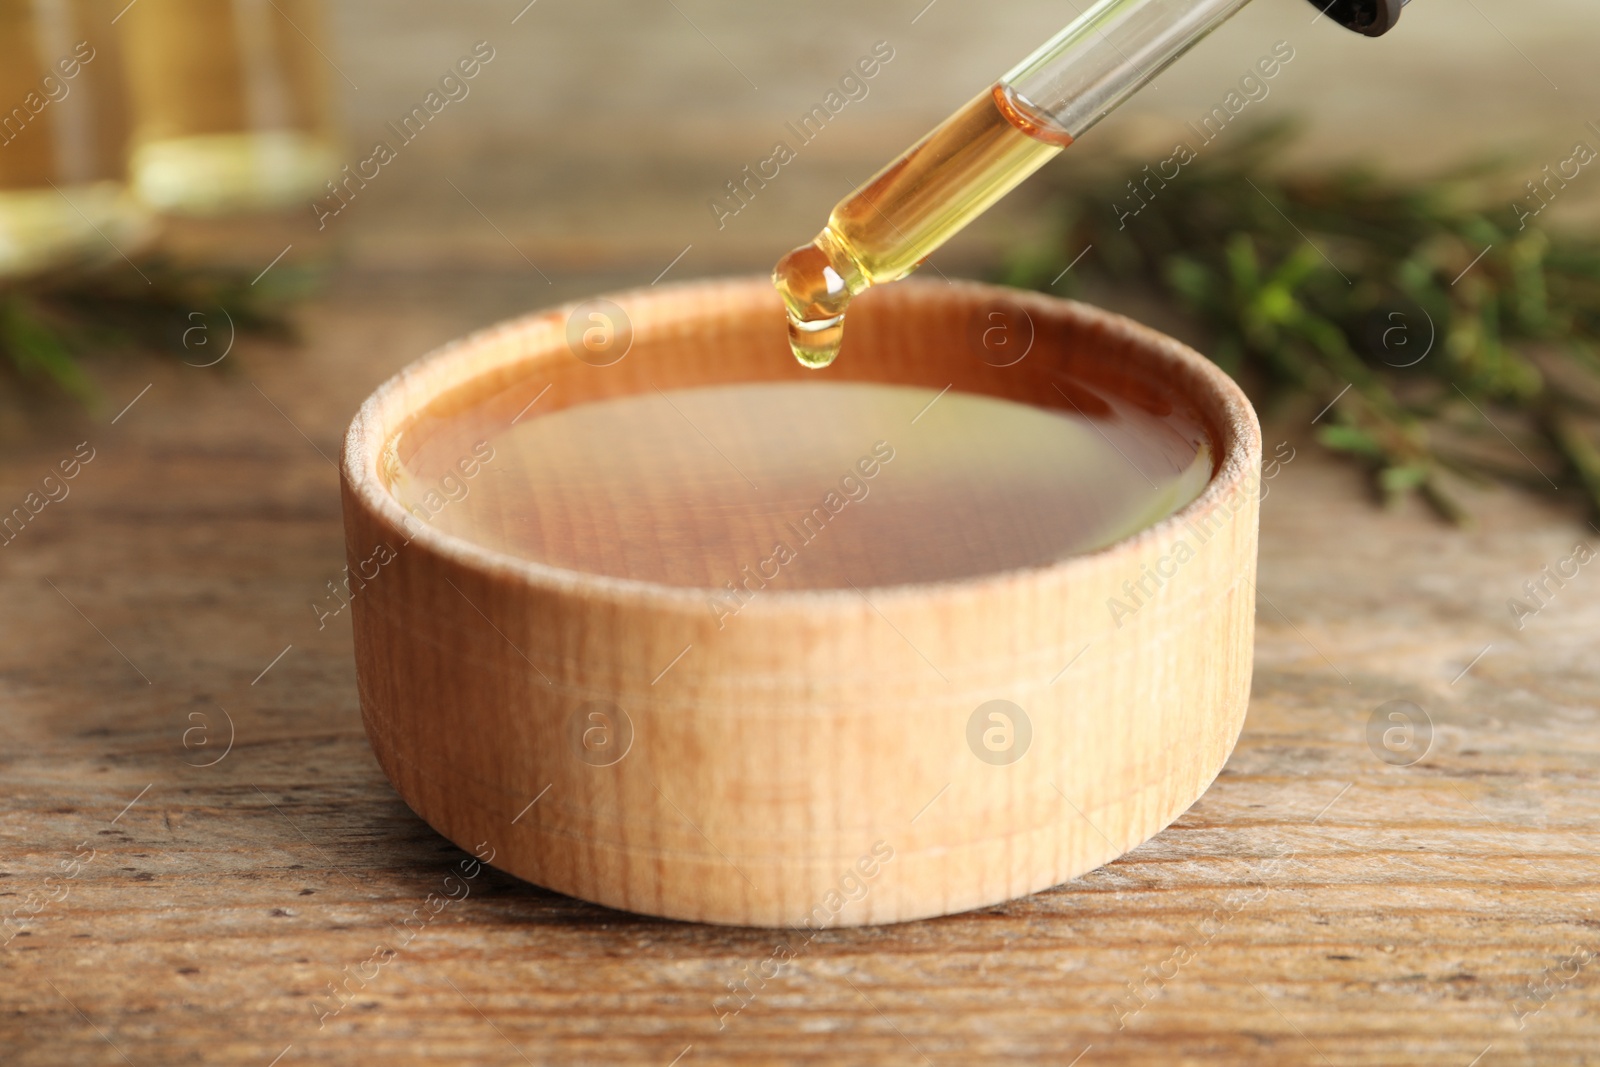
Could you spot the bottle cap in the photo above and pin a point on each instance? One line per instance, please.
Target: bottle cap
(1371, 17)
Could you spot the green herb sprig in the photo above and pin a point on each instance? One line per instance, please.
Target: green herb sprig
(49, 322)
(1456, 333)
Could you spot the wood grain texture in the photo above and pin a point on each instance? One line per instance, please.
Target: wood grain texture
(811, 761)
(1340, 910)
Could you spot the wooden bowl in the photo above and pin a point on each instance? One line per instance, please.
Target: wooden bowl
(805, 767)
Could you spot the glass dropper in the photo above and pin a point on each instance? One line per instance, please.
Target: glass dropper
(884, 231)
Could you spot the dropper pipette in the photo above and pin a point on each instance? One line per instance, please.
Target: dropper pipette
(884, 231)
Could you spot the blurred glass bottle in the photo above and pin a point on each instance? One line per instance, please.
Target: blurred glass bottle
(63, 138)
(230, 103)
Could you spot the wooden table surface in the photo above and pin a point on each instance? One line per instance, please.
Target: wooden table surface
(166, 899)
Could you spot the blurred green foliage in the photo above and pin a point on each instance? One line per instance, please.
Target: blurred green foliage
(49, 322)
(1308, 283)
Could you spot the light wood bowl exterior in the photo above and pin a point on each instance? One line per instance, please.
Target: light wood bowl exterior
(807, 765)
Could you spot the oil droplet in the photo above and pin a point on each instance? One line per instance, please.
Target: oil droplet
(816, 282)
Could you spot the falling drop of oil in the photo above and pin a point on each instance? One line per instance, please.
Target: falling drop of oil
(816, 282)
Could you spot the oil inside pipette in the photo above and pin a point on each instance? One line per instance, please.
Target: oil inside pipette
(886, 229)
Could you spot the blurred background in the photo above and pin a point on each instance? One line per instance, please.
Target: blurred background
(599, 134)
(607, 126)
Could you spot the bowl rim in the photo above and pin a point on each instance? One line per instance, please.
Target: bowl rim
(1225, 405)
